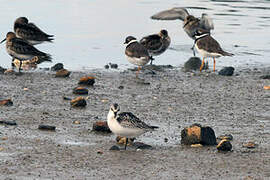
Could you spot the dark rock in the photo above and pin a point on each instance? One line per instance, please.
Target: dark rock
(113, 66)
(121, 87)
(226, 136)
(114, 148)
(166, 139)
(78, 102)
(2, 70)
(66, 98)
(80, 90)
(10, 123)
(226, 71)
(194, 64)
(106, 66)
(196, 134)
(87, 80)
(101, 126)
(224, 145)
(57, 67)
(6, 102)
(140, 145)
(46, 127)
(265, 76)
(62, 73)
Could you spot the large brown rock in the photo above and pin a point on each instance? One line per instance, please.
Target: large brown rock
(101, 126)
(196, 134)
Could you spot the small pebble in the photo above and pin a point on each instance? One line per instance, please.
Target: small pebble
(121, 87)
(46, 127)
(265, 76)
(10, 123)
(114, 148)
(99, 152)
(113, 66)
(101, 126)
(166, 139)
(106, 66)
(57, 67)
(196, 145)
(226, 71)
(250, 145)
(76, 122)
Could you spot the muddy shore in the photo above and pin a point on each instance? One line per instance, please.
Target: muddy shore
(236, 105)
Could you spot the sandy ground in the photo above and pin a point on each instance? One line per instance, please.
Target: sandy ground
(236, 105)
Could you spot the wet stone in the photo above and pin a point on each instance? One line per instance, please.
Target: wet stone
(194, 64)
(196, 134)
(62, 73)
(80, 90)
(87, 80)
(114, 148)
(101, 126)
(224, 145)
(46, 127)
(78, 102)
(57, 67)
(265, 76)
(10, 123)
(226, 71)
(6, 102)
(140, 145)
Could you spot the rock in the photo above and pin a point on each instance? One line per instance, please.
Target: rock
(226, 136)
(121, 87)
(224, 145)
(140, 145)
(265, 76)
(194, 64)
(46, 127)
(101, 126)
(196, 134)
(57, 67)
(250, 145)
(87, 80)
(114, 148)
(113, 66)
(10, 123)
(76, 122)
(106, 66)
(166, 139)
(62, 73)
(80, 90)
(66, 98)
(78, 102)
(6, 102)
(2, 70)
(122, 140)
(226, 71)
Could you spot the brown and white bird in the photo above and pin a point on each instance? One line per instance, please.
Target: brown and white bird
(207, 46)
(190, 23)
(156, 44)
(136, 53)
(22, 50)
(30, 32)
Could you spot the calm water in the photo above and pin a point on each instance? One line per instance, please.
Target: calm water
(90, 33)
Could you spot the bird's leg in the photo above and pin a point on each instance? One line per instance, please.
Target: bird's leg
(202, 64)
(12, 64)
(139, 68)
(126, 143)
(214, 65)
(20, 66)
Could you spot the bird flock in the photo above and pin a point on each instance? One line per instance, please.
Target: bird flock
(20, 46)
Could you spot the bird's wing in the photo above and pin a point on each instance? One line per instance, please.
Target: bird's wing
(128, 120)
(136, 50)
(22, 47)
(206, 22)
(152, 42)
(171, 14)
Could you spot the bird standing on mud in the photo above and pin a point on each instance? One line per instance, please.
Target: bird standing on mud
(190, 23)
(126, 124)
(30, 32)
(156, 44)
(207, 46)
(22, 50)
(136, 53)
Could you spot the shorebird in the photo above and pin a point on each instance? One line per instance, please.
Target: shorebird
(190, 23)
(156, 44)
(22, 50)
(30, 32)
(136, 53)
(126, 124)
(207, 46)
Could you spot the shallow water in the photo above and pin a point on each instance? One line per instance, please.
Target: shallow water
(89, 34)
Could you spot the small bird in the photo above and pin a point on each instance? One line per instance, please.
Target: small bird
(30, 32)
(156, 44)
(136, 53)
(208, 47)
(22, 50)
(190, 23)
(126, 124)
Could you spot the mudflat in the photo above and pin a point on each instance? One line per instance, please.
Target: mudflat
(171, 99)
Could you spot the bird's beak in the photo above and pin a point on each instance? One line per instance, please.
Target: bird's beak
(3, 41)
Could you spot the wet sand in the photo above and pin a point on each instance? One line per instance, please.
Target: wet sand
(236, 105)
